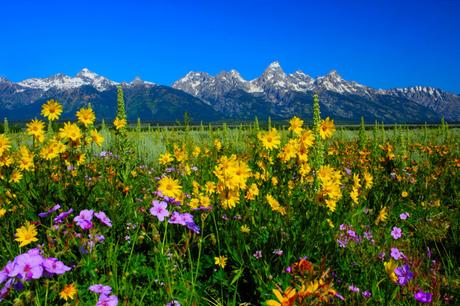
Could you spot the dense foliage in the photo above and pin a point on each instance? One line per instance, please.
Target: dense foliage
(246, 216)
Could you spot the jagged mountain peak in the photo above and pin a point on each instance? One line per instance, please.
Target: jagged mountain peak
(86, 73)
(4, 80)
(274, 69)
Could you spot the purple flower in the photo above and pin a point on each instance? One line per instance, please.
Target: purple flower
(6, 271)
(6, 289)
(27, 266)
(193, 227)
(381, 256)
(348, 171)
(423, 297)
(342, 242)
(351, 233)
(105, 300)
(103, 218)
(367, 294)
(47, 213)
(101, 289)
(342, 227)
(159, 210)
(404, 274)
(84, 219)
(396, 233)
(404, 216)
(396, 254)
(352, 288)
(368, 235)
(176, 218)
(54, 266)
(62, 216)
(173, 303)
(258, 254)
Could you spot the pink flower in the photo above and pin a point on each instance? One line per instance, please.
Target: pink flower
(404, 216)
(84, 219)
(54, 266)
(396, 233)
(101, 289)
(107, 300)
(103, 218)
(159, 210)
(396, 254)
(27, 266)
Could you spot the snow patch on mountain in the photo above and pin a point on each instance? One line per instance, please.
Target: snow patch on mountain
(64, 82)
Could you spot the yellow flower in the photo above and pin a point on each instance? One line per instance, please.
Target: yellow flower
(330, 223)
(2, 212)
(26, 159)
(196, 151)
(368, 180)
(35, 128)
(245, 229)
(165, 158)
(284, 299)
(96, 137)
(404, 194)
(296, 125)
(50, 151)
(270, 139)
(26, 234)
(16, 176)
(51, 110)
(119, 123)
(217, 144)
(383, 215)
(4, 144)
(170, 187)
(253, 191)
(390, 267)
(326, 128)
(220, 261)
(68, 292)
(275, 205)
(86, 116)
(70, 131)
(6, 160)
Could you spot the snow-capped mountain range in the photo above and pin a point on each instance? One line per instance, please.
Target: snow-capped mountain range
(228, 95)
(64, 82)
(278, 87)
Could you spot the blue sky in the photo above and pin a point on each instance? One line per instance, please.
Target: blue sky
(381, 43)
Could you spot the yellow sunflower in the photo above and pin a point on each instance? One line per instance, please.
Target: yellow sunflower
(51, 110)
(26, 234)
(86, 116)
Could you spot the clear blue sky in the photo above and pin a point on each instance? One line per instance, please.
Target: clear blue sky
(381, 43)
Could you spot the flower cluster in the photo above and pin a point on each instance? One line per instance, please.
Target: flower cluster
(29, 266)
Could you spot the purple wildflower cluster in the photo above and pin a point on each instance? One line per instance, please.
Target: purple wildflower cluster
(366, 294)
(423, 297)
(167, 199)
(347, 234)
(105, 295)
(26, 267)
(184, 219)
(160, 210)
(83, 220)
(173, 303)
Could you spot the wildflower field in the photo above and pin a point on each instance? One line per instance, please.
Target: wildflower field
(295, 215)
